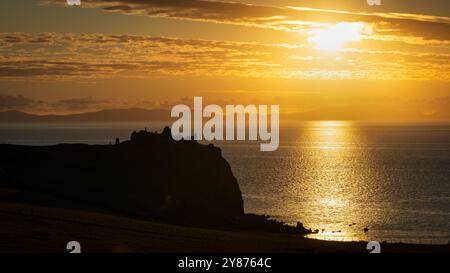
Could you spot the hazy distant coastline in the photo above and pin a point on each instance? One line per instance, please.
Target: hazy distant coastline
(107, 115)
(154, 115)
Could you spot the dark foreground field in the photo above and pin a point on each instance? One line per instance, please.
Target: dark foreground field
(26, 228)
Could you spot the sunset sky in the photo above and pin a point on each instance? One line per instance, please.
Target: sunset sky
(321, 59)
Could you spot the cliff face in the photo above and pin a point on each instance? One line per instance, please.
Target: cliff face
(150, 176)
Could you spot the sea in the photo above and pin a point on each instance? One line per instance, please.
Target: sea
(350, 181)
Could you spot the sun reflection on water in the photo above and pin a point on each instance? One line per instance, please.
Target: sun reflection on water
(330, 184)
(351, 181)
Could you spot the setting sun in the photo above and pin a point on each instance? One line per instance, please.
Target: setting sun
(335, 37)
(242, 130)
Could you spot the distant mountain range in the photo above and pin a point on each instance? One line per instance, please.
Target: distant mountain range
(145, 115)
(108, 115)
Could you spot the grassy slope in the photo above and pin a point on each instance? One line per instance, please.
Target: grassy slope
(27, 228)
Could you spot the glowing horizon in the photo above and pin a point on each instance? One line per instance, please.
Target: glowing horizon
(336, 61)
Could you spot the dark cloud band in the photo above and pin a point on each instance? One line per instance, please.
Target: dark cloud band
(286, 19)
